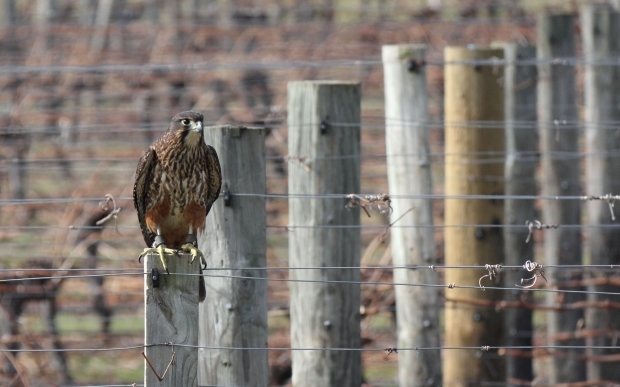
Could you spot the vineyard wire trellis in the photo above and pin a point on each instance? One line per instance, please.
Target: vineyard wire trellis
(609, 125)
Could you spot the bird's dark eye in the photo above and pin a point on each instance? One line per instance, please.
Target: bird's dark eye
(185, 121)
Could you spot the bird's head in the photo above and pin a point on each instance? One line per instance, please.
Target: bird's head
(187, 126)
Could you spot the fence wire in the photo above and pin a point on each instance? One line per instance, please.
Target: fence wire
(21, 279)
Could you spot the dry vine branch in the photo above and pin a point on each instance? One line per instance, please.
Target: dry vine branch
(382, 201)
(493, 273)
(537, 225)
(609, 198)
(538, 272)
(113, 213)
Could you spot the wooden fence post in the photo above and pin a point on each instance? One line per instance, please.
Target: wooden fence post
(600, 31)
(474, 166)
(409, 173)
(171, 316)
(151, 13)
(100, 30)
(8, 10)
(559, 143)
(324, 132)
(520, 178)
(234, 313)
(42, 17)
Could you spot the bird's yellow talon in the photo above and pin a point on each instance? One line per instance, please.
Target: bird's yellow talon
(193, 250)
(160, 250)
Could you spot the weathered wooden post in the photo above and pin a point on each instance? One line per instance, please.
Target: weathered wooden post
(559, 135)
(234, 313)
(190, 10)
(600, 28)
(8, 10)
(171, 316)
(409, 173)
(519, 174)
(42, 17)
(102, 21)
(473, 94)
(151, 12)
(324, 132)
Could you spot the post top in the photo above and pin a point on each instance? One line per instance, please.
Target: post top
(397, 52)
(472, 52)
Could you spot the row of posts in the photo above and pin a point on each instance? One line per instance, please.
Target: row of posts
(494, 118)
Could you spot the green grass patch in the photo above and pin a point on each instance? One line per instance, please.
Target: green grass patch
(380, 323)
(128, 323)
(108, 367)
(278, 323)
(381, 371)
(68, 323)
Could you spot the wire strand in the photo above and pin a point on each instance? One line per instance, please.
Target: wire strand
(288, 65)
(483, 348)
(342, 282)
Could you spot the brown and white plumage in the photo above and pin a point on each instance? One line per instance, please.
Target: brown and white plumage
(177, 180)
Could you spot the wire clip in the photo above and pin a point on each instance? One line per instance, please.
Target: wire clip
(227, 197)
(609, 198)
(537, 225)
(155, 277)
(493, 273)
(538, 272)
(160, 378)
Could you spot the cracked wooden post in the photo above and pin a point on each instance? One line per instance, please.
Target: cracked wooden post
(171, 316)
(560, 176)
(409, 173)
(600, 28)
(324, 127)
(520, 177)
(234, 313)
(474, 166)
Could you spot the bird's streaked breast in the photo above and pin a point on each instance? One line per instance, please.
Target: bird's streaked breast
(182, 177)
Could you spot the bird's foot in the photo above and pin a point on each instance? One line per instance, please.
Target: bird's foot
(191, 247)
(159, 248)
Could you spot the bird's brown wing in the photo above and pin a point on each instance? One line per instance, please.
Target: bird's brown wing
(212, 164)
(144, 176)
(215, 177)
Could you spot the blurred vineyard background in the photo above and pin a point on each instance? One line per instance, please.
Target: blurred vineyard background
(85, 86)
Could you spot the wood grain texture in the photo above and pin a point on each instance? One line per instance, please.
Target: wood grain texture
(473, 94)
(560, 177)
(600, 31)
(171, 315)
(519, 173)
(234, 313)
(324, 315)
(409, 173)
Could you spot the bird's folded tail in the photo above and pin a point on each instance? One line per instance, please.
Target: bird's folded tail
(202, 289)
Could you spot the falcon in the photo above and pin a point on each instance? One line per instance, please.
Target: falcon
(177, 180)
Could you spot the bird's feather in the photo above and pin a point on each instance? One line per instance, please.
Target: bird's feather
(144, 175)
(215, 177)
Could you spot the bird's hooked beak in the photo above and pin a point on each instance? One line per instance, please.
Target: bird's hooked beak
(197, 126)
